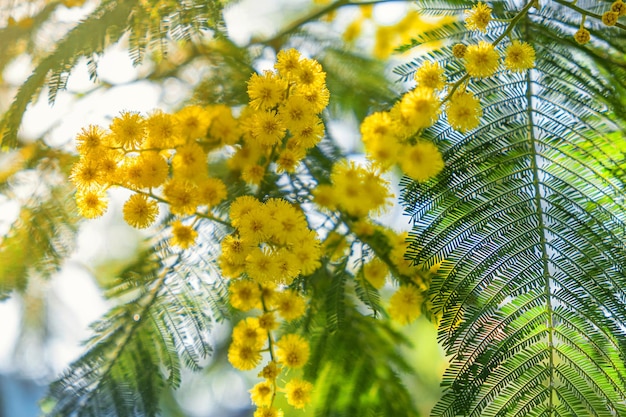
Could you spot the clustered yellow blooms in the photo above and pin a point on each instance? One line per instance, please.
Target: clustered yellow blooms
(282, 121)
(394, 137)
(354, 190)
(255, 335)
(609, 18)
(161, 158)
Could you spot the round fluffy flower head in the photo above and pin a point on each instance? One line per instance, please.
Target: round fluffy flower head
(421, 161)
(610, 17)
(89, 139)
(181, 195)
(86, 174)
(430, 75)
(128, 130)
(420, 107)
(478, 17)
(298, 392)
(266, 91)
(582, 36)
(459, 50)
(161, 130)
(140, 212)
(290, 305)
(309, 75)
(91, 203)
(405, 304)
(241, 206)
(248, 332)
(463, 111)
(268, 128)
(619, 7)
(267, 321)
(270, 371)
(211, 191)
(268, 412)
(182, 235)
(287, 61)
(481, 60)
(261, 394)
(520, 56)
(293, 351)
(244, 295)
(243, 357)
(193, 121)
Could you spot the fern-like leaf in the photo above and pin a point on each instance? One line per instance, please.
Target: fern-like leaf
(530, 223)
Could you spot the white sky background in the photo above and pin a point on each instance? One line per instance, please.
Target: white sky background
(109, 236)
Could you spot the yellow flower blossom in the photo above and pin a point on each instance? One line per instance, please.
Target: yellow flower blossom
(405, 304)
(481, 60)
(140, 212)
(463, 111)
(183, 236)
(261, 394)
(290, 305)
(420, 107)
(91, 203)
(298, 392)
(244, 295)
(293, 351)
(266, 91)
(478, 17)
(243, 357)
(421, 161)
(519, 56)
(128, 130)
(430, 75)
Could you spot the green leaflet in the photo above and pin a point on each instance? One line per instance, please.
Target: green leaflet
(530, 222)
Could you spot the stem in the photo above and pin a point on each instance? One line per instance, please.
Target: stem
(312, 17)
(572, 5)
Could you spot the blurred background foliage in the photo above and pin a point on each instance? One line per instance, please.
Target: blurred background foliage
(56, 77)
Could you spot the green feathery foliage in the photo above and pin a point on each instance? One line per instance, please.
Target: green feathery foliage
(106, 25)
(165, 306)
(529, 222)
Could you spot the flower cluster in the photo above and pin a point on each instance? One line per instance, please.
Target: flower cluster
(256, 334)
(282, 121)
(393, 137)
(161, 158)
(355, 190)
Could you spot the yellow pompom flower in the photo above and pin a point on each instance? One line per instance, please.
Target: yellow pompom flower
(375, 272)
(183, 236)
(298, 392)
(257, 226)
(405, 304)
(253, 174)
(290, 305)
(318, 98)
(459, 50)
(267, 321)
(295, 112)
(609, 18)
(290, 220)
(262, 266)
(309, 134)
(270, 371)
(161, 130)
(619, 7)
(421, 161)
(266, 91)
(91, 203)
(190, 162)
(582, 36)
(420, 107)
(244, 295)
(261, 394)
(128, 130)
(181, 195)
(268, 412)
(192, 122)
(268, 128)
(287, 61)
(248, 332)
(140, 212)
(235, 249)
(307, 250)
(519, 56)
(153, 170)
(478, 17)
(243, 357)
(430, 75)
(86, 174)
(463, 111)
(241, 206)
(288, 160)
(211, 191)
(89, 139)
(293, 351)
(309, 75)
(481, 60)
